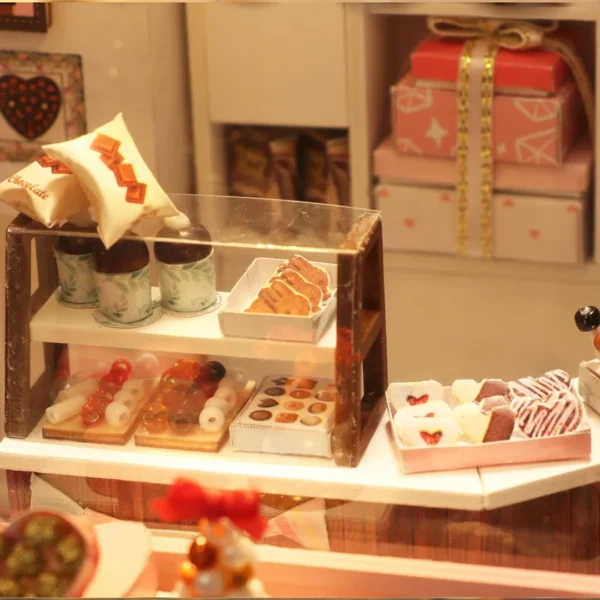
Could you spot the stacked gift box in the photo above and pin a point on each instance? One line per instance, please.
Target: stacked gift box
(542, 157)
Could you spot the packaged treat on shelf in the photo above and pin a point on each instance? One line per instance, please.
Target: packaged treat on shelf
(221, 561)
(489, 422)
(192, 407)
(46, 191)
(262, 164)
(118, 183)
(537, 213)
(47, 554)
(288, 415)
(526, 130)
(122, 275)
(186, 271)
(325, 174)
(75, 265)
(288, 300)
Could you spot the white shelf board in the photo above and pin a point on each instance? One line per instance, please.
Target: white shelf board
(59, 324)
(378, 478)
(577, 11)
(504, 486)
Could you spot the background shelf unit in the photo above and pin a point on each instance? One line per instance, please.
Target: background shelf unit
(438, 301)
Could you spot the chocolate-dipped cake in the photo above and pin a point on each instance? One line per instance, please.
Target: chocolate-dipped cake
(122, 276)
(180, 253)
(74, 261)
(125, 256)
(186, 271)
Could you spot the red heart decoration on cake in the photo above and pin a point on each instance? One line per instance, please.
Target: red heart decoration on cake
(414, 400)
(535, 233)
(509, 202)
(45, 554)
(30, 106)
(445, 197)
(409, 222)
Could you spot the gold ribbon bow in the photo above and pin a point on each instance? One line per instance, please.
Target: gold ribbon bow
(510, 35)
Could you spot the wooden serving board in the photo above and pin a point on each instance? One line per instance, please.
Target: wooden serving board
(73, 429)
(196, 439)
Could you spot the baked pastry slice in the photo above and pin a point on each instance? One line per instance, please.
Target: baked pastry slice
(277, 297)
(301, 285)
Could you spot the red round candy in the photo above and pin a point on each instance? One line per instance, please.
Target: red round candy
(108, 385)
(91, 415)
(122, 365)
(119, 377)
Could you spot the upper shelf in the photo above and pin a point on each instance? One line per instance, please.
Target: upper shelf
(62, 325)
(577, 11)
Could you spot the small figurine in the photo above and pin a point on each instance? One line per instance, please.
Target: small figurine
(221, 560)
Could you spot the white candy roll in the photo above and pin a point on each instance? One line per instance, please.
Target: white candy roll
(228, 394)
(229, 382)
(147, 365)
(66, 409)
(239, 376)
(219, 403)
(136, 387)
(212, 419)
(85, 388)
(126, 398)
(117, 414)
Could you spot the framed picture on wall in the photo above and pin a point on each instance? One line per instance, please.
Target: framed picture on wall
(25, 16)
(41, 102)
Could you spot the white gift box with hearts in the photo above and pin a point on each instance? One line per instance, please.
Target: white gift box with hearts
(539, 228)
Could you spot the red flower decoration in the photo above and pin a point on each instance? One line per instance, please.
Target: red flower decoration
(188, 501)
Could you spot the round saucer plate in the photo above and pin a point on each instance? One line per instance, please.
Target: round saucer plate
(68, 304)
(154, 316)
(185, 315)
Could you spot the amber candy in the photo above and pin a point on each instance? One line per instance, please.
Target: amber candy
(187, 572)
(188, 370)
(597, 342)
(181, 421)
(180, 253)
(202, 554)
(155, 418)
(126, 256)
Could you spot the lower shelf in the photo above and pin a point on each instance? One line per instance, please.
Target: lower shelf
(378, 478)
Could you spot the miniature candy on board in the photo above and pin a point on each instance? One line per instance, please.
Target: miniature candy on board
(221, 560)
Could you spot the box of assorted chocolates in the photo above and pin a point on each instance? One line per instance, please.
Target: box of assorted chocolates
(287, 415)
(539, 213)
(487, 423)
(286, 300)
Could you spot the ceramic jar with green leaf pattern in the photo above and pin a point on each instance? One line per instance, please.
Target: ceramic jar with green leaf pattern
(123, 279)
(186, 271)
(75, 265)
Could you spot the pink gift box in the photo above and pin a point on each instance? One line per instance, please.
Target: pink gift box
(570, 179)
(526, 130)
(539, 228)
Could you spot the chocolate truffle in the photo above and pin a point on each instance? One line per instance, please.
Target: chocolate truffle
(126, 256)
(74, 244)
(179, 253)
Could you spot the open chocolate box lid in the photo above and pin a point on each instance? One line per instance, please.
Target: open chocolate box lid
(235, 322)
(456, 451)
